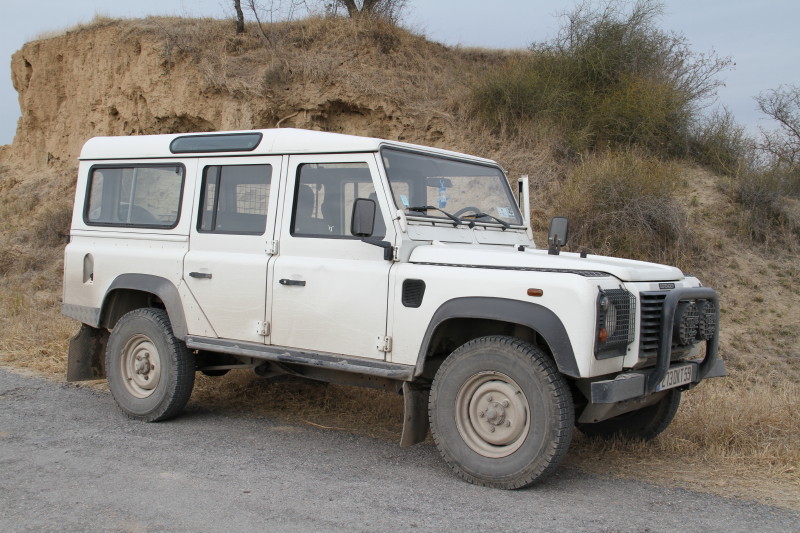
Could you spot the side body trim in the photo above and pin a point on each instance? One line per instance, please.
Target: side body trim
(538, 318)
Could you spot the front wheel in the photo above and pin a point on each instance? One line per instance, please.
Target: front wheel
(150, 372)
(500, 413)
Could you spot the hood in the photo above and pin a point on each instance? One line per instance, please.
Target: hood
(499, 257)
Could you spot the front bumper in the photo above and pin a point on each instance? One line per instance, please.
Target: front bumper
(638, 383)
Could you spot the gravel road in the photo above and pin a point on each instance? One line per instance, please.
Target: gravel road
(70, 461)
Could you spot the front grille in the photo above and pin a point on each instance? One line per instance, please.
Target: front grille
(650, 329)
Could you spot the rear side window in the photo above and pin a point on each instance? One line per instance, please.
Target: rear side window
(134, 196)
(234, 199)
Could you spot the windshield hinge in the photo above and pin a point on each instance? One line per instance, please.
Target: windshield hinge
(384, 343)
(262, 328)
(272, 247)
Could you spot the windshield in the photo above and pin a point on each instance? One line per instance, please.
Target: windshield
(470, 191)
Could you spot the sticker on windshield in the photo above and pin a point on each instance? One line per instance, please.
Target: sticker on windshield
(505, 212)
(442, 195)
(404, 199)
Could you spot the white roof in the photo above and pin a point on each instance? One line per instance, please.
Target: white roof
(274, 141)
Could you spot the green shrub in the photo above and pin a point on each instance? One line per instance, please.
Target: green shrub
(623, 204)
(611, 78)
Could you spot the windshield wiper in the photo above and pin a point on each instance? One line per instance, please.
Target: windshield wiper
(424, 208)
(502, 222)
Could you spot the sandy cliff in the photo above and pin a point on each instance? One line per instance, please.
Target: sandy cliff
(173, 75)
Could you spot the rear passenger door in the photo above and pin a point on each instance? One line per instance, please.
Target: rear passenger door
(226, 266)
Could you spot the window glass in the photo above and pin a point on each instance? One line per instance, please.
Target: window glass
(465, 189)
(325, 195)
(234, 199)
(228, 142)
(139, 196)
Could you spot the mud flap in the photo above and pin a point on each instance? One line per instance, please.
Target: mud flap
(415, 415)
(86, 359)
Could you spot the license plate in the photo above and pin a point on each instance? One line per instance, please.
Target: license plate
(676, 377)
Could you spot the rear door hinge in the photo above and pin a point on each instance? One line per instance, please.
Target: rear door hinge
(272, 247)
(262, 328)
(384, 343)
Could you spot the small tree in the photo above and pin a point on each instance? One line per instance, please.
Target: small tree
(782, 145)
(237, 5)
(388, 9)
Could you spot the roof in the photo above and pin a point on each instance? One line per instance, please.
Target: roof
(273, 142)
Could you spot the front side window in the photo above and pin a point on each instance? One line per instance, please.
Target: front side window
(468, 190)
(135, 196)
(234, 199)
(325, 195)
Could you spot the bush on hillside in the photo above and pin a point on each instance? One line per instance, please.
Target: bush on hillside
(623, 204)
(611, 78)
(720, 144)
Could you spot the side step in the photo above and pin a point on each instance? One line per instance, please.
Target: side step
(280, 354)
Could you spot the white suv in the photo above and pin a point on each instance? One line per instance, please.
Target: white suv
(375, 263)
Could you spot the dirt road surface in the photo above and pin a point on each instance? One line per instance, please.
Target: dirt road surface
(71, 461)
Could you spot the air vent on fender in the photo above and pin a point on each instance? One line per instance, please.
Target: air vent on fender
(413, 291)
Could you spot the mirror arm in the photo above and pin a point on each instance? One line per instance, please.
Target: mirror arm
(554, 249)
(388, 250)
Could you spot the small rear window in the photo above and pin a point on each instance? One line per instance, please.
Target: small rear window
(225, 142)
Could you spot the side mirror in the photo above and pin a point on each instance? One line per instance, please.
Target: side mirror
(558, 234)
(362, 222)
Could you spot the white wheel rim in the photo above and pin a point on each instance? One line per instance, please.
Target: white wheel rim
(492, 414)
(140, 366)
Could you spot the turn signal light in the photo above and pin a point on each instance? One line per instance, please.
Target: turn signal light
(535, 292)
(602, 335)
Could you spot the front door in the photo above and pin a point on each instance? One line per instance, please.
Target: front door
(330, 289)
(226, 267)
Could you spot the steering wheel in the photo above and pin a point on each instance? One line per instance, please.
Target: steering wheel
(465, 210)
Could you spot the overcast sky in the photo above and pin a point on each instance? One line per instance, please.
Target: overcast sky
(761, 37)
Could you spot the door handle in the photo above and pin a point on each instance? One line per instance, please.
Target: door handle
(200, 275)
(297, 282)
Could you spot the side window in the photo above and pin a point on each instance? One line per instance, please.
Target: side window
(135, 196)
(234, 199)
(324, 198)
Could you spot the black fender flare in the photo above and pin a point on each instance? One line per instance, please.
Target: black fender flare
(534, 316)
(161, 287)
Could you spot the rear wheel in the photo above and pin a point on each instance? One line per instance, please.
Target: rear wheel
(500, 412)
(642, 424)
(150, 372)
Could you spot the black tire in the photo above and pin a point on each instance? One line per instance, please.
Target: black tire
(510, 385)
(642, 424)
(150, 372)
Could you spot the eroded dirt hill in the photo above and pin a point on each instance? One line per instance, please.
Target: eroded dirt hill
(176, 75)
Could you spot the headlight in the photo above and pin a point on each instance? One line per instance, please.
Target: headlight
(616, 322)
